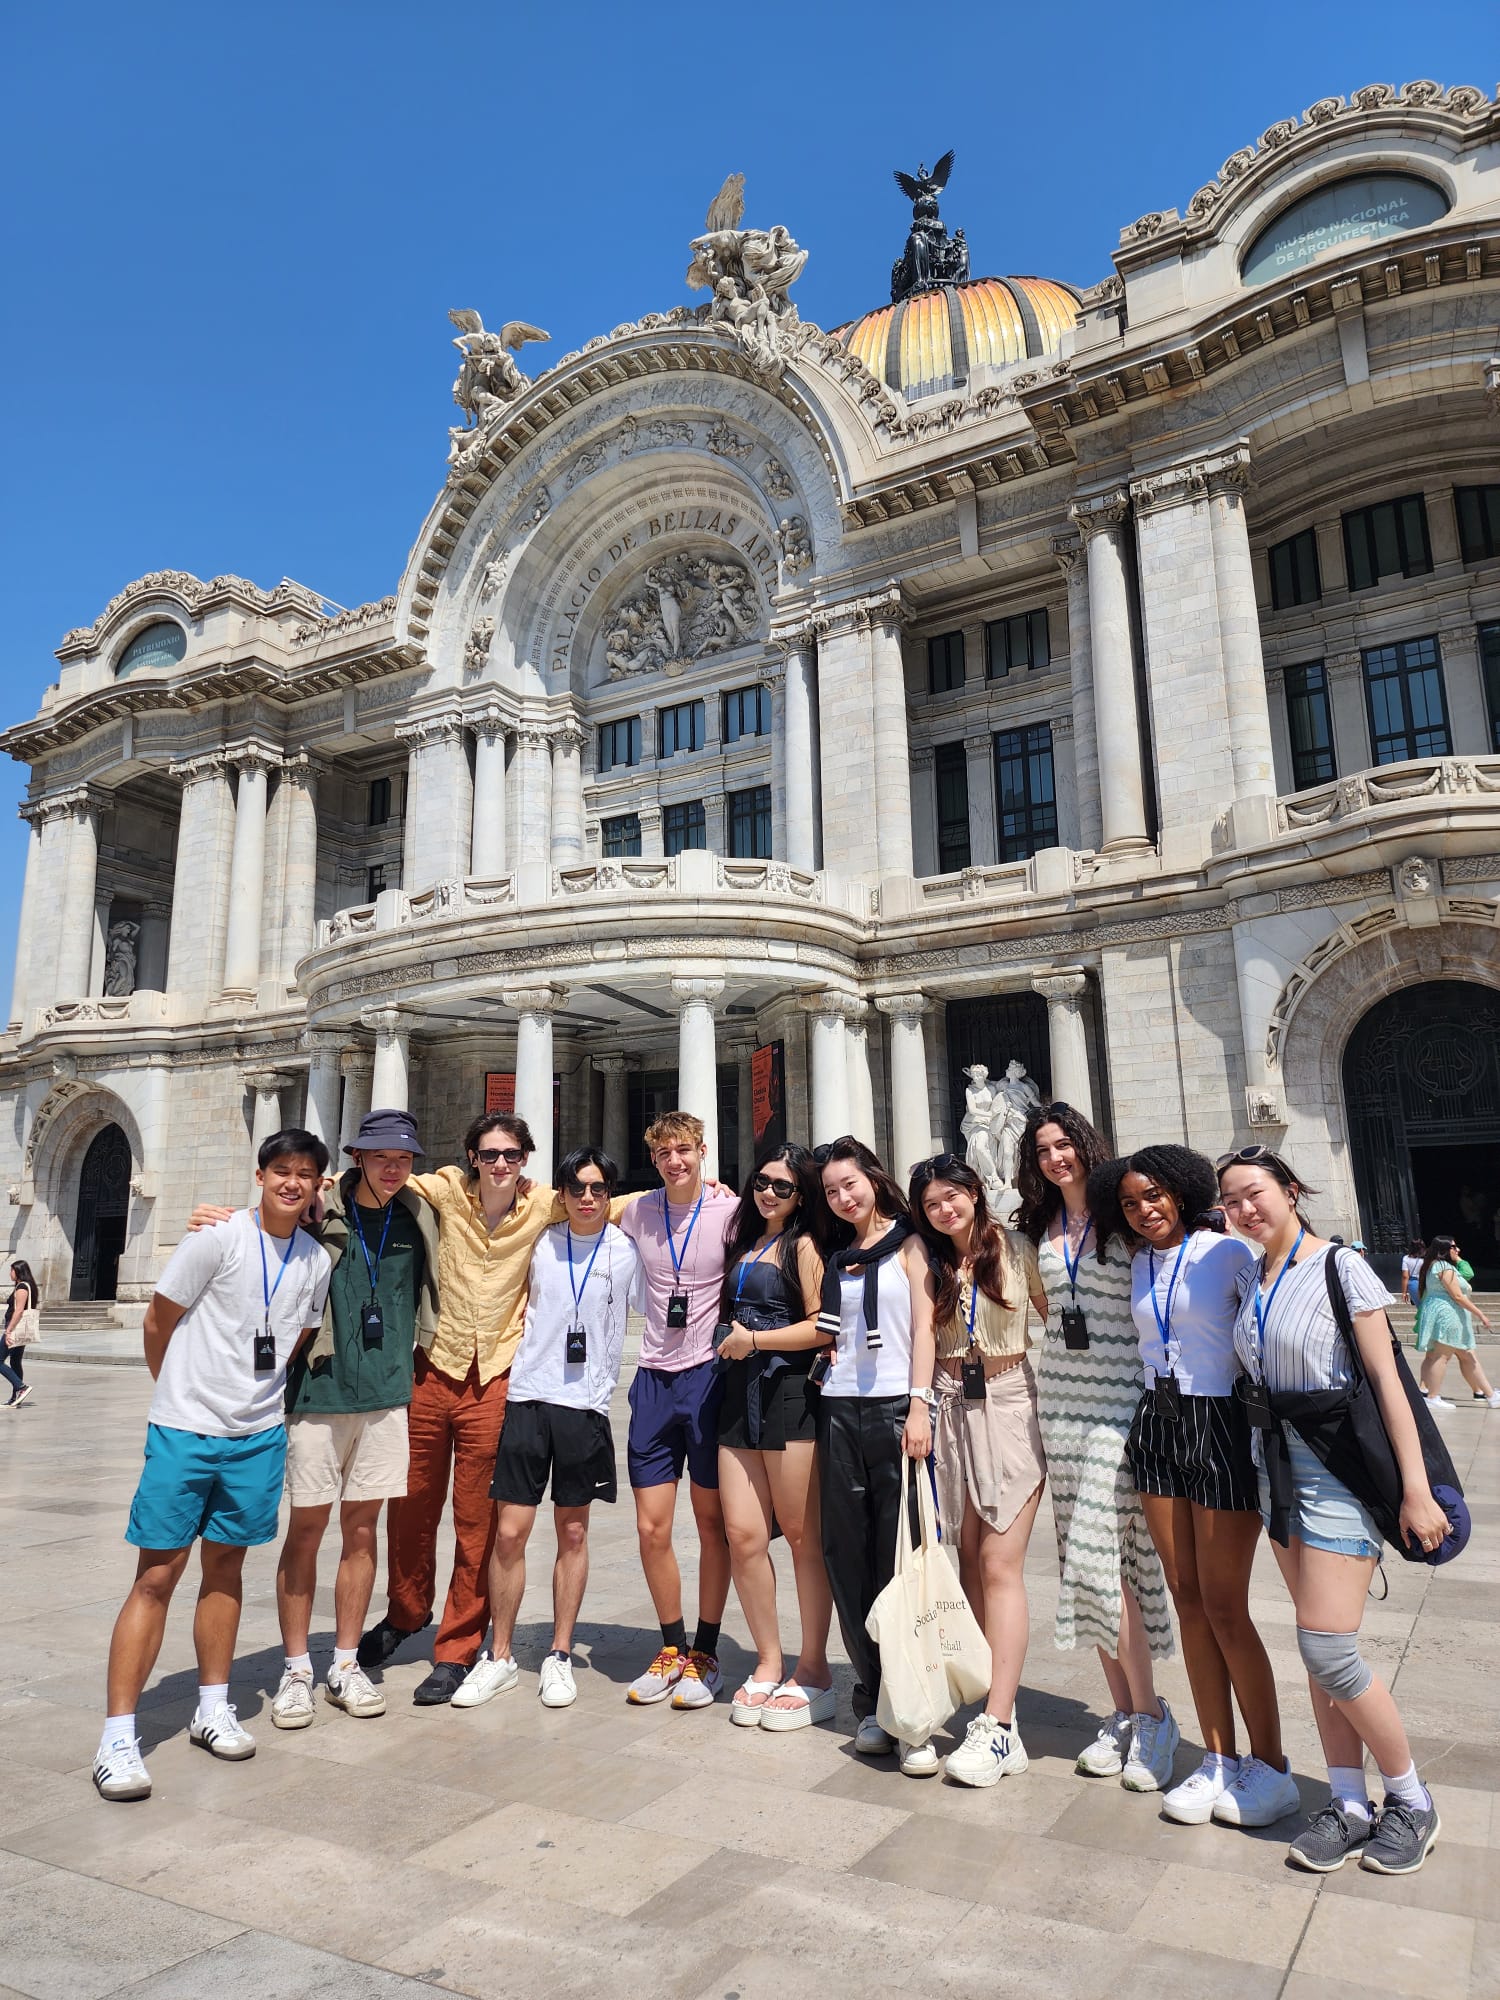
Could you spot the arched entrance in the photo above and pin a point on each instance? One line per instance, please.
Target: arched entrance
(103, 1205)
(1422, 1090)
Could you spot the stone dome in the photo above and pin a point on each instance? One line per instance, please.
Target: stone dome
(941, 339)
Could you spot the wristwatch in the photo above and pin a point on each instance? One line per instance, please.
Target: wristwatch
(927, 1396)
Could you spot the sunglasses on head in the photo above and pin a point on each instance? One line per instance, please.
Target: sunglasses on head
(1243, 1156)
(488, 1155)
(1057, 1109)
(783, 1190)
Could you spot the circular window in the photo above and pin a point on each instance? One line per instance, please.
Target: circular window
(1360, 210)
(160, 645)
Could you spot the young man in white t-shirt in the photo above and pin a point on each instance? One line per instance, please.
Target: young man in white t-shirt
(584, 1281)
(228, 1313)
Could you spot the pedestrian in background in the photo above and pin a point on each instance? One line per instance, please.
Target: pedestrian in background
(1446, 1313)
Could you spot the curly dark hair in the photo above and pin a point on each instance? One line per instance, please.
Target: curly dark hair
(1040, 1198)
(942, 1253)
(749, 1224)
(1188, 1177)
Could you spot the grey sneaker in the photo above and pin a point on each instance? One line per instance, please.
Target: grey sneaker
(1328, 1840)
(1153, 1751)
(1403, 1838)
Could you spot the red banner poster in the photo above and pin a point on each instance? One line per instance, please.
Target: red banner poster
(500, 1090)
(768, 1095)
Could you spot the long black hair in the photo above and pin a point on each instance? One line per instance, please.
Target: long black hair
(22, 1273)
(749, 1224)
(1188, 1177)
(1040, 1198)
(832, 1231)
(942, 1251)
(1276, 1165)
(1441, 1250)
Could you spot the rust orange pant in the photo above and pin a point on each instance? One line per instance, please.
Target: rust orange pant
(454, 1429)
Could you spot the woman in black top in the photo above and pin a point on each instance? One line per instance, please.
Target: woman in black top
(773, 1279)
(24, 1295)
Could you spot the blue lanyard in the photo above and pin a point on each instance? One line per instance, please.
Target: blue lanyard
(666, 1217)
(973, 1305)
(385, 1229)
(746, 1262)
(588, 1269)
(1264, 1305)
(1070, 1264)
(1164, 1322)
(268, 1290)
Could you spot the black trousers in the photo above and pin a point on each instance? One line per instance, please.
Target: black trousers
(859, 1485)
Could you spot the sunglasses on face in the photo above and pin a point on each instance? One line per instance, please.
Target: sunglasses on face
(783, 1190)
(584, 1190)
(488, 1155)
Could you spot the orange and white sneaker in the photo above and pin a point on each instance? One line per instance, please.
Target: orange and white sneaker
(659, 1679)
(700, 1682)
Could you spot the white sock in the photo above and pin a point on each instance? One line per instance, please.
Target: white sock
(1408, 1788)
(118, 1729)
(1219, 1765)
(210, 1697)
(1346, 1783)
(343, 1659)
(299, 1663)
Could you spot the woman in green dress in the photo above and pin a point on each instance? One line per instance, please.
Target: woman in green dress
(1446, 1313)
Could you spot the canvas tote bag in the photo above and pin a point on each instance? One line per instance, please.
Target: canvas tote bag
(27, 1329)
(933, 1655)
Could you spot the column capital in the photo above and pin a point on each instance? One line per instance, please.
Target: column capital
(320, 1042)
(1062, 725)
(448, 727)
(568, 735)
(1194, 479)
(302, 769)
(978, 744)
(489, 723)
(540, 999)
(199, 765)
(833, 1001)
(386, 1021)
(798, 638)
(1343, 663)
(649, 815)
(1066, 984)
(702, 987)
(922, 757)
(1102, 514)
(267, 1082)
(884, 608)
(1068, 554)
(615, 1065)
(75, 802)
(254, 755)
(903, 1006)
(533, 734)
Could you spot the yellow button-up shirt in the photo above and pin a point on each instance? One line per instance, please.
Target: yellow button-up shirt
(483, 1273)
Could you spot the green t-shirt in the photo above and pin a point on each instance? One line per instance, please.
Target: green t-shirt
(356, 1378)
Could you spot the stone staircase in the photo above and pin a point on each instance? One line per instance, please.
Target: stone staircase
(78, 1316)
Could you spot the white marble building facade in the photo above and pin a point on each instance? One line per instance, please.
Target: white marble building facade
(1120, 690)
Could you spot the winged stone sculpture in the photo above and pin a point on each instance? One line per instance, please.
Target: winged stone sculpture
(931, 256)
(487, 375)
(750, 273)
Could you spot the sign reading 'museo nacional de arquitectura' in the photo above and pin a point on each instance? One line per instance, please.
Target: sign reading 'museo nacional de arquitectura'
(777, 721)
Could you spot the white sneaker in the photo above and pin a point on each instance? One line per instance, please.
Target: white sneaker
(1153, 1747)
(698, 1683)
(1439, 1403)
(987, 1753)
(1259, 1795)
(558, 1688)
(1192, 1802)
(221, 1735)
(1492, 1399)
(870, 1740)
(918, 1760)
(292, 1703)
(659, 1679)
(353, 1691)
(484, 1680)
(120, 1773)
(1105, 1756)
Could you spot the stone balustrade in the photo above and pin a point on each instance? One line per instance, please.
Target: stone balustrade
(1390, 785)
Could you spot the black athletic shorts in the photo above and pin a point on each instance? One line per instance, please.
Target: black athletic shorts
(576, 1446)
(1204, 1456)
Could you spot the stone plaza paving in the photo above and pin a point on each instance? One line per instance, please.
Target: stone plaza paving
(607, 1850)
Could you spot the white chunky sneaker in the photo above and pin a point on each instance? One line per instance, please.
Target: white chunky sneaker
(1192, 1802)
(1259, 1796)
(120, 1773)
(557, 1688)
(1439, 1403)
(870, 1740)
(484, 1680)
(919, 1760)
(292, 1703)
(353, 1691)
(1153, 1748)
(988, 1752)
(222, 1735)
(1105, 1756)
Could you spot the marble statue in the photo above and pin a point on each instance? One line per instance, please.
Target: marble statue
(488, 377)
(119, 960)
(750, 273)
(796, 545)
(687, 608)
(994, 1119)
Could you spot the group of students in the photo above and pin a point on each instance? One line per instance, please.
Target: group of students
(801, 1339)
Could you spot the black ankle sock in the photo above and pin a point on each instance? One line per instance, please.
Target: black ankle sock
(675, 1634)
(706, 1638)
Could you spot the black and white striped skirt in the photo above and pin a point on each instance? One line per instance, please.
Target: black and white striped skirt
(1202, 1455)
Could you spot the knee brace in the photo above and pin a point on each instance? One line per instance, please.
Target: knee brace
(1333, 1660)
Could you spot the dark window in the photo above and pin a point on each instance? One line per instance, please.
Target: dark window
(750, 824)
(1294, 571)
(950, 766)
(682, 826)
(375, 880)
(1404, 686)
(622, 836)
(747, 712)
(945, 663)
(1310, 721)
(1387, 540)
(380, 801)
(619, 743)
(1478, 521)
(680, 728)
(1014, 643)
(1489, 654)
(1025, 791)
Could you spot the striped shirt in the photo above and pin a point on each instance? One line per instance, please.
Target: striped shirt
(1304, 1350)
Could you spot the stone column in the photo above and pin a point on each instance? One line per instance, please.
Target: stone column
(1116, 715)
(151, 948)
(567, 796)
(984, 839)
(80, 846)
(846, 767)
(616, 1131)
(697, 1060)
(534, 1007)
(358, 1073)
(881, 617)
(653, 846)
(829, 1063)
(388, 1088)
(265, 1120)
(487, 848)
(911, 1119)
(324, 1089)
(439, 801)
(1074, 566)
(1239, 629)
(200, 881)
(1065, 781)
(1067, 1035)
(24, 975)
(744, 1085)
(296, 805)
(1351, 719)
(533, 778)
(247, 878)
(798, 751)
(857, 1065)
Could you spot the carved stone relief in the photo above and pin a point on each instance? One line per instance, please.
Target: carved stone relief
(689, 606)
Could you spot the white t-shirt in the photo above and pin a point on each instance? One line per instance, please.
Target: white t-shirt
(607, 1291)
(208, 1381)
(1204, 1301)
(862, 1370)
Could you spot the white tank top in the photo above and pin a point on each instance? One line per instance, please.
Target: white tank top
(862, 1370)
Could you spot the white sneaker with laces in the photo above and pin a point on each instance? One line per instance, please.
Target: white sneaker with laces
(1153, 1748)
(221, 1734)
(484, 1680)
(699, 1682)
(1439, 1403)
(988, 1752)
(918, 1760)
(1192, 1802)
(557, 1689)
(1259, 1796)
(292, 1703)
(1105, 1756)
(120, 1773)
(870, 1740)
(659, 1679)
(353, 1691)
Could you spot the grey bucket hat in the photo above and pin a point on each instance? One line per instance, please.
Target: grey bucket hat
(387, 1132)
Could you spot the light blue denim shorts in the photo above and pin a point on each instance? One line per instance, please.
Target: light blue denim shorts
(1325, 1514)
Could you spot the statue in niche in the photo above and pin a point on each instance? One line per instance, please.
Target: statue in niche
(750, 273)
(120, 960)
(488, 377)
(796, 545)
(687, 608)
(931, 257)
(994, 1119)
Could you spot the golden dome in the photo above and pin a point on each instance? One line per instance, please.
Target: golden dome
(938, 339)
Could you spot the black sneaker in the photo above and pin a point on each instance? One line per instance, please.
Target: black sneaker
(383, 1640)
(1403, 1838)
(441, 1685)
(1328, 1839)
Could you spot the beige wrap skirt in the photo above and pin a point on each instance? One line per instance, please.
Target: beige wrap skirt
(991, 1452)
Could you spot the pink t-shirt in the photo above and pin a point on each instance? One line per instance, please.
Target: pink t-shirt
(701, 1256)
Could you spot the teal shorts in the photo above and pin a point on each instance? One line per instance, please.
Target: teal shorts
(222, 1489)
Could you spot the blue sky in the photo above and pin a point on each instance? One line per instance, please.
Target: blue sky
(234, 233)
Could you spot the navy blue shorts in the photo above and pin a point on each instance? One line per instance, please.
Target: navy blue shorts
(674, 1421)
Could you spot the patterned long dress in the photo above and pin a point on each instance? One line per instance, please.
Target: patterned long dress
(1086, 1401)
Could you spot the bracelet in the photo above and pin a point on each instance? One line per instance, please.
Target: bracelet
(754, 1349)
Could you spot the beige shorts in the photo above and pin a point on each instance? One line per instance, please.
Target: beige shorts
(989, 1453)
(346, 1457)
